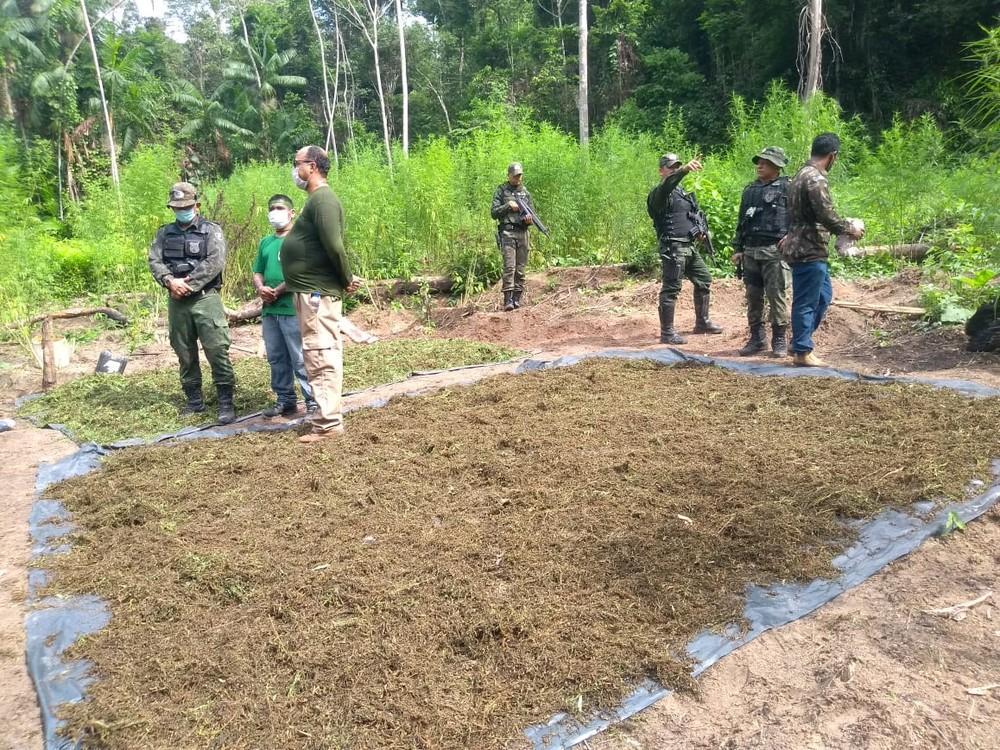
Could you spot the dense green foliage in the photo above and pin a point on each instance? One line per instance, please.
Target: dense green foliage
(431, 214)
(491, 81)
(105, 408)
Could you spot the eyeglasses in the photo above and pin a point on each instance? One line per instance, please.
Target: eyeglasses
(296, 163)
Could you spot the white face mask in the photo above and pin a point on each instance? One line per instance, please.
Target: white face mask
(299, 182)
(279, 218)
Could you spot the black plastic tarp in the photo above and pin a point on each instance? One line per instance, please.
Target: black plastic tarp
(54, 624)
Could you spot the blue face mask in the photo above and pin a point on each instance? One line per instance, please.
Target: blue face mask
(184, 215)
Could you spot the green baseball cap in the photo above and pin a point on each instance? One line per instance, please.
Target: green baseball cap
(773, 154)
(182, 195)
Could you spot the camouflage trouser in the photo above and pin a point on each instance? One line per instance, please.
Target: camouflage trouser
(200, 318)
(679, 260)
(514, 247)
(766, 275)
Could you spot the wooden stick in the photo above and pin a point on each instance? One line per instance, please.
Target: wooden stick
(48, 356)
(917, 312)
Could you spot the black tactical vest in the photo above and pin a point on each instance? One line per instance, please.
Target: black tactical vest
(185, 249)
(766, 214)
(675, 222)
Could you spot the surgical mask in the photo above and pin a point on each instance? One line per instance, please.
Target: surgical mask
(279, 218)
(299, 182)
(184, 215)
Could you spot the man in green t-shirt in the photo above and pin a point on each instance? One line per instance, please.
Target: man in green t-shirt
(282, 337)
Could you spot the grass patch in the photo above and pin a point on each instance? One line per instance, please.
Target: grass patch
(464, 564)
(106, 408)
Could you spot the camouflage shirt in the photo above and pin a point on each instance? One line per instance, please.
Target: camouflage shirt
(499, 210)
(207, 272)
(812, 217)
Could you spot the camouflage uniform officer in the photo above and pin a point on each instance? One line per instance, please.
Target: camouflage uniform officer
(672, 210)
(812, 219)
(187, 257)
(762, 222)
(512, 233)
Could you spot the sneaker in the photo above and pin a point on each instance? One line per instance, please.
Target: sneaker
(280, 410)
(317, 436)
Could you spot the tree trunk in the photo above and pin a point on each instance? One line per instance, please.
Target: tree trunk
(405, 85)
(814, 58)
(6, 103)
(582, 98)
(331, 138)
(104, 101)
(246, 39)
(381, 97)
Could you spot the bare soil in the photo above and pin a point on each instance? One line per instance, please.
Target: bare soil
(906, 687)
(22, 450)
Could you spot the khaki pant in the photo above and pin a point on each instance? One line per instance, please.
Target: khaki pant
(323, 354)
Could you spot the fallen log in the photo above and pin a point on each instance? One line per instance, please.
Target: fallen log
(78, 312)
(249, 311)
(914, 251)
(916, 312)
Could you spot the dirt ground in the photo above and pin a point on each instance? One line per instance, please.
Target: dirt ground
(868, 671)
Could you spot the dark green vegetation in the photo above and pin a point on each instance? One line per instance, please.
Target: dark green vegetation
(103, 408)
(489, 82)
(465, 564)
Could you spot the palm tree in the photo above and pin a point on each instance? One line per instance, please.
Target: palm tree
(208, 121)
(261, 80)
(16, 45)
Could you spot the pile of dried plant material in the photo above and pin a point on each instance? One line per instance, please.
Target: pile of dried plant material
(462, 565)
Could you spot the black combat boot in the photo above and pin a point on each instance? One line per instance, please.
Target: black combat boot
(757, 341)
(227, 412)
(667, 333)
(508, 301)
(516, 298)
(779, 340)
(195, 400)
(702, 322)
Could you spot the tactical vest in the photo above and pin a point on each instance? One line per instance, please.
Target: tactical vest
(512, 220)
(766, 215)
(675, 222)
(185, 249)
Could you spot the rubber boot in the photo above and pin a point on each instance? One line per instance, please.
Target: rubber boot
(516, 298)
(756, 343)
(779, 341)
(508, 301)
(195, 400)
(227, 411)
(667, 333)
(703, 324)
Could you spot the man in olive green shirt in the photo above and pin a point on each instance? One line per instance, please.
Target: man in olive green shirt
(318, 274)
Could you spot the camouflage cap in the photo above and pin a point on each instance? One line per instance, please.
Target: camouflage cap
(182, 195)
(773, 154)
(515, 168)
(670, 160)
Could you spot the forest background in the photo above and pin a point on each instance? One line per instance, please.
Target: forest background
(222, 92)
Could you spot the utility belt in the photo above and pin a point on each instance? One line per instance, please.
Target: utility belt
(507, 227)
(760, 241)
(199, 294)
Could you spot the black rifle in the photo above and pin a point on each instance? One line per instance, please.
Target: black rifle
(528, 213)
(739, 270)
(700, 231)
